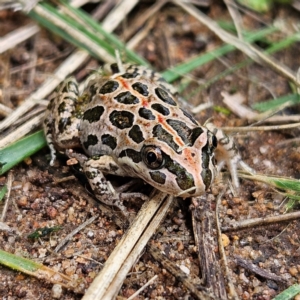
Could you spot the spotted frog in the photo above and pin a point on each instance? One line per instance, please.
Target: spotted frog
(129, 123)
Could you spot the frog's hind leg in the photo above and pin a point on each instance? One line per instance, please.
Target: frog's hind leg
(61, 121)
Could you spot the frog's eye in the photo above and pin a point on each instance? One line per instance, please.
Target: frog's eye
(152, 157)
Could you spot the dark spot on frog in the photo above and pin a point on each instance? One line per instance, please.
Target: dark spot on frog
(134, 155)
(91, 141)
(136, 134)
(158, 177)
(141, 88)
(109, 87)
(164, 96)
(63, 123)
(113, 168)
(109, 140)
(114, 68)
(163, 135)
(161, 109)
(184, 179)
(130, 75)
(182, 130)
(71, 86)
(146, 114)
(62, 107)
(90, 175)
(121, 119)
(206, 173)
(126, 98)
(189, 116)
(93, 114)
(195, 134)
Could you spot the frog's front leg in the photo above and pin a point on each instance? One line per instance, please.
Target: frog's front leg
(226, 153)
(95, 169)
(61, 121)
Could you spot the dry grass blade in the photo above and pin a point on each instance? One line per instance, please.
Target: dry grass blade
(101, 286)
(254, 53)
(4, 110)
(64, 70)
(81, 38)
(69, 65)
(132, 258)
(21, 131)
(261, 128)
(115, 17)
(138, 37)
(17, 36)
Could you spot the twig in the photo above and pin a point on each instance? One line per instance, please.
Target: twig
(232, 292)
(10, 178)
(261, 221)
(256, 270)
(5, 110)
(203, 221)
(118, 13)
(142, 288)
(180, 275)
(235, 16)
(75, 231)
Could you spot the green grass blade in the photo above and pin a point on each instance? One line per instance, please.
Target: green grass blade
(86, 27)
(188, 66)
(289, 293)
(275, 103)
(110, 38)
(18, 151)
(283, 183)
(18, 263)
(38, 270)
(65, 35)
(3, 191)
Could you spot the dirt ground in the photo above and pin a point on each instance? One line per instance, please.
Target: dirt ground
(40, 199)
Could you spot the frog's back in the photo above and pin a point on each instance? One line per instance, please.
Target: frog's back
(127, 109)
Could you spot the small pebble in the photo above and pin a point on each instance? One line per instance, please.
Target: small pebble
(293, 271)
(56, 291)
(185, 269)
(225, 240)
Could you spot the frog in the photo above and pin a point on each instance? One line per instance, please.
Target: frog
(129, 122)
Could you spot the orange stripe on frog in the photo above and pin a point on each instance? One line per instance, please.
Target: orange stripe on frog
(145, 102)
(168, 128)
(124, 83)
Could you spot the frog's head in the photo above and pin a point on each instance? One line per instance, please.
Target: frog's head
(186, 170)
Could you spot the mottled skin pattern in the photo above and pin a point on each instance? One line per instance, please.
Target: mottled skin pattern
(130, 124)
